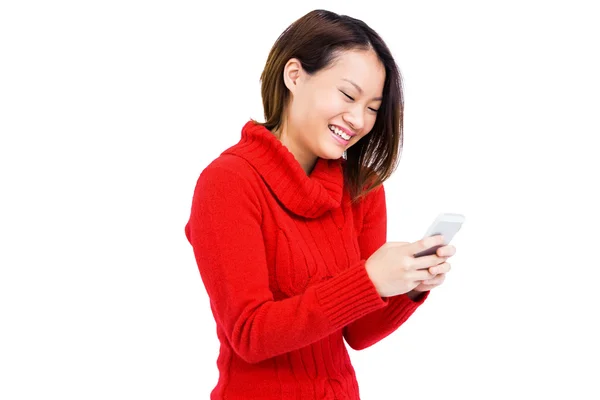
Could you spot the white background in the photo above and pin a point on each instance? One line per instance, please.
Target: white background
(109, 111)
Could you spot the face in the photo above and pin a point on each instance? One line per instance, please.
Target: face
(334, 108)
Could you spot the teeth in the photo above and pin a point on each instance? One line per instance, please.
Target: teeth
(339, 132)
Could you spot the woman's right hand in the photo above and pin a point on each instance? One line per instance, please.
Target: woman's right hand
(394, 270)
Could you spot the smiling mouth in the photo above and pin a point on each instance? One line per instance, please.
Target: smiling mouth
(339, 132)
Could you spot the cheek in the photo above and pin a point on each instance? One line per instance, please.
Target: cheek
(368, 126)
(327, 106)
(370, 122)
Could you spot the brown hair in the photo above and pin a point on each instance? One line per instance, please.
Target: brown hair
(315, 40)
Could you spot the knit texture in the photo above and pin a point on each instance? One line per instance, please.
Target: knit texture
(282, 257)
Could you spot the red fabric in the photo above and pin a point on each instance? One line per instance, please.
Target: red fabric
(282, 257)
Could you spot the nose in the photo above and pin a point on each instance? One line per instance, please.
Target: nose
(355, 118)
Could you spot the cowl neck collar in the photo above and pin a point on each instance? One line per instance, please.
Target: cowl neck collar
(305, 195)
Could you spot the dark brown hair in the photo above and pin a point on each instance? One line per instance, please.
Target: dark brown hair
(315, 40)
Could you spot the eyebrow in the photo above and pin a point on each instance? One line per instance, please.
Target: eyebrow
(360, 89)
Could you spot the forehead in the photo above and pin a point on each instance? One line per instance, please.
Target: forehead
(360, 66)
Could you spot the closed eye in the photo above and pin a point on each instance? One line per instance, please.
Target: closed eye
(352, 99)
(348, 96)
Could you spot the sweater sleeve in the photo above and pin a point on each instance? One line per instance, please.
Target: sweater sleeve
(377, 325)
(225, 232)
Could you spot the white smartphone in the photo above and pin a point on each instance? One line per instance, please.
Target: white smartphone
(447, 225)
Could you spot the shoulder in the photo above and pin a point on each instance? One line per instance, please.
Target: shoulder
(374, 197)
(370, 209)
(228, 175)
(229, 165)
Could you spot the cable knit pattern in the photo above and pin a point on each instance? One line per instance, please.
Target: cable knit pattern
(282, 257)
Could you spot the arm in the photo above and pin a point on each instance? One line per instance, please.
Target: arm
(225, 232)
(377, 325)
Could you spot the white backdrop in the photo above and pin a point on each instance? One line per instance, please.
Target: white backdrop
(109, 111)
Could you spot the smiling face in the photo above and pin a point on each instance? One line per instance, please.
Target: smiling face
(332, 109)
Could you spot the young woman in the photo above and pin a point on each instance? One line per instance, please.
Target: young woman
(288, 226)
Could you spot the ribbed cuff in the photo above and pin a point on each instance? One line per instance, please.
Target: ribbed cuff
(401, 307)
(349, 296)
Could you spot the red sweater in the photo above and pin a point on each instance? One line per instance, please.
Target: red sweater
(282, 257)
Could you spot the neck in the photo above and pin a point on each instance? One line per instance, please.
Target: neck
(305, 157)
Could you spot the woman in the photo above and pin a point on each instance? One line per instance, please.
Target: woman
(288, 226)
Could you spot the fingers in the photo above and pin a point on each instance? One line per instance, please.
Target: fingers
(421, 275)
(425, 244)
(442, 268)
(435, 281)
(428, 275)
(446, 251)
(427, 261)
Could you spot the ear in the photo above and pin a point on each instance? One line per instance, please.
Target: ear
(291, 73)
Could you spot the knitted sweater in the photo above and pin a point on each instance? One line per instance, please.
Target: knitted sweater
(282, 257)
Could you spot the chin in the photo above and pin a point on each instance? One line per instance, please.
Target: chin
(329, 149)
(331, 152)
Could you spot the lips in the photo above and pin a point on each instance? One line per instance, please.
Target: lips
(339, 139)
(341, 132)
(339, 129)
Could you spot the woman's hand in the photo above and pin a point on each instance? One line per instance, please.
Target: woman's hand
(438, 271)
(394, 270)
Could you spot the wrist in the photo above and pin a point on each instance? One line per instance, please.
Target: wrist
(373, 278)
